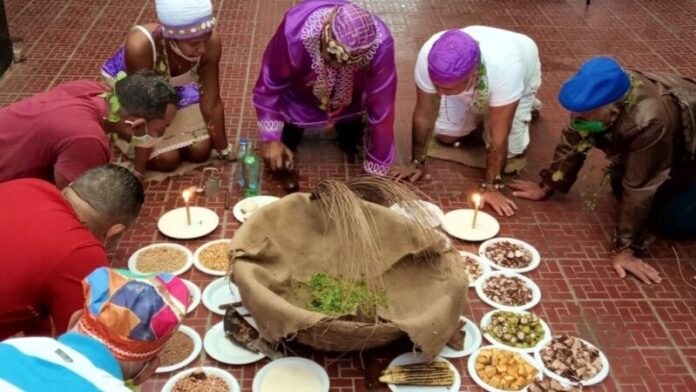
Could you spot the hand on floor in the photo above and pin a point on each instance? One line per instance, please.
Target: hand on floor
(500, 204)
(527, 190)
(625, 262)
(410, 172)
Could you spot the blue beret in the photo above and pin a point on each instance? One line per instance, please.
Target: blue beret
(599, 81)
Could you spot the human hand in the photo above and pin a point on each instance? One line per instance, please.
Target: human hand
(275, 153)
(626, 262)
(500, 204)
(410, 172)
(527, 190)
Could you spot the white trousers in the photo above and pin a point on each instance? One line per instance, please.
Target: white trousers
(458, 117)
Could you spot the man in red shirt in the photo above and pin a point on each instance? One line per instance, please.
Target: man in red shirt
(51, 239)
(58, 134)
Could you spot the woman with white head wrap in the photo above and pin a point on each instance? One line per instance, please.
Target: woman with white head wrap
(185, 48)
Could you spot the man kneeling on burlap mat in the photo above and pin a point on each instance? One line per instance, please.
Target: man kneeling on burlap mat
(336, 234)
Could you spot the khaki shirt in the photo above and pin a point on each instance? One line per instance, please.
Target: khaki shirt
(642, 144)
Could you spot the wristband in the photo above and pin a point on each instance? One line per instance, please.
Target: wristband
(495, 186)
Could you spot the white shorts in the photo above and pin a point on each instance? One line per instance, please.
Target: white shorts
(458, 118)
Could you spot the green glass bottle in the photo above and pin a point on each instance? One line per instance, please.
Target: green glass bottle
(251, 165)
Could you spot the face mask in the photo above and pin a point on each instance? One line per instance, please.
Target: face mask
(144, 141)
(588, 125)
(175, 49)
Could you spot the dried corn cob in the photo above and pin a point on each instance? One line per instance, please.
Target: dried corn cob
(435, 373)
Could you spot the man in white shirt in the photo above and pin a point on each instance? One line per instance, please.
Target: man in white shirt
(481, 73)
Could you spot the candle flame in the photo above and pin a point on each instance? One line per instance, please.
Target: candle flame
(476, 198)
(186, 195)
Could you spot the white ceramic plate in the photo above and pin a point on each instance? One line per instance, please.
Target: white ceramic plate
(222, 349)
(472, 341)
(471, 366)
(213, 371)
(485, 268)
(197, 346)
(487, 320)
(261, 201)
(411, 358)
(311, 366)
(594, 380)
(173, 223)
(536, 292)
(434, 213)
(536, 259)
(195, 293)
(134, 257)
(457, 223)
(220, 292)
(197, 262)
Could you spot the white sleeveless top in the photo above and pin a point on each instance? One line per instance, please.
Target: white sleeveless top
(176, 81)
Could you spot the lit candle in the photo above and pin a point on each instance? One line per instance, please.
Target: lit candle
(187, 196)
(477, 204)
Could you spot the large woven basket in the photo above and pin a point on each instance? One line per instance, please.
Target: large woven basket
(342, 336)
(278, 245)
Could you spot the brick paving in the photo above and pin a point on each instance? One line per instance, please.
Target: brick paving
(648, 333)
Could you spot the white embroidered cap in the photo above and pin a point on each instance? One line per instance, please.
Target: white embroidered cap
(184, 19)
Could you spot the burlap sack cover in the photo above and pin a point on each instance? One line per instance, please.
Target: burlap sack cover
(293, 238)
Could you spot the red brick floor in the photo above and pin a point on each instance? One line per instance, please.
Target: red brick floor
(647, 332)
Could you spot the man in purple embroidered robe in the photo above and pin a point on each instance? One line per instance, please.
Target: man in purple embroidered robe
(329, 63)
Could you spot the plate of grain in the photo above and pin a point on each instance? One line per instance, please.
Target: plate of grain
(180, 350)
(162, 257)
(212, 258)
(206, 378)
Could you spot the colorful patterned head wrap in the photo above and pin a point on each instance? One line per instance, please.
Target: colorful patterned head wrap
(185, 19)
(133, 315)
(350, 33)
(453, 57)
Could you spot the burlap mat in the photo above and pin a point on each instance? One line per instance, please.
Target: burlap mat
(183, 168)
(474, 155)
(294, 238)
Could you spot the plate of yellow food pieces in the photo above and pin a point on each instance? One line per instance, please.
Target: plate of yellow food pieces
(212, 258)
(496, 369)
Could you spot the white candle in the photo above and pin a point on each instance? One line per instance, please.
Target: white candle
(187, 196)
(477, 204)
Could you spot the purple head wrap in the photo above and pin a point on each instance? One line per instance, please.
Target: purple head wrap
(354, 29)
(453, 57)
